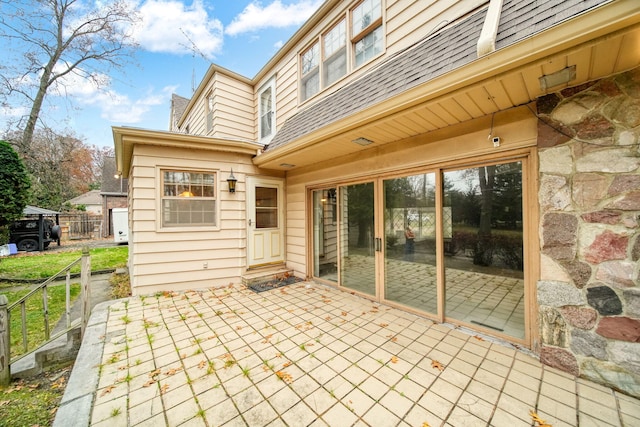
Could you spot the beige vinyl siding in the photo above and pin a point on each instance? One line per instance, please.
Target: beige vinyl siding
(287, 91)
(163, 259)
(234, 108)
(409, 21)
(405, 22)
(518, 130)
(296, 230)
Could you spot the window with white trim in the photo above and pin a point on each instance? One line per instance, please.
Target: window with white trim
(267, 111)
(209, 108)
(188, 198)
(334, 55)
(328, 57)
(310, 71)
(366, 31)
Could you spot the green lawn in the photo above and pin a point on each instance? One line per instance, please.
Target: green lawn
(35, 316)
(42, 266)
(46, 264)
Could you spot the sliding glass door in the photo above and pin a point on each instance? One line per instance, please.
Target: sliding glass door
(357, 238)
(410, 241)
(445, 242)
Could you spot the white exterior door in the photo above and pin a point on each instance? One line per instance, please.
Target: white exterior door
(265, 221)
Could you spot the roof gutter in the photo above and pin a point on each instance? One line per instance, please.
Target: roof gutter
(487, 41)
(124, 139)
(607, 19)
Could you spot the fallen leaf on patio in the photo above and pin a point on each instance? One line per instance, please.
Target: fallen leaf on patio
(278, 354)
(437, 365)
(149, 383)
(286, 364)
(164, 389)
(344, 313)
(183, 356)
(326, 301)
(425, 424)
(107, 390)
(394, 359)
(173, 371)
(202, 364)
(238, 328)
(266, 339)
(287, 378)
(155, 373)
(384, 325)
(478, 337)
(122, 368)
(538, 420)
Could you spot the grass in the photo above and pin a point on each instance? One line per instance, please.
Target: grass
(35, 316)
(33, 402)
(44, 265)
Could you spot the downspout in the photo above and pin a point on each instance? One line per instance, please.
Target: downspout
(487, 40)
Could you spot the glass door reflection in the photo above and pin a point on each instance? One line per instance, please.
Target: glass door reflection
(357, 238)
(410, 241)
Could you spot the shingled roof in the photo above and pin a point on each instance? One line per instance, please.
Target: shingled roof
(436, 55)
(110, 184)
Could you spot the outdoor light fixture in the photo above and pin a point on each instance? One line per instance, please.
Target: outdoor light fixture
(558, 78)
(232, 182)
(362, 141)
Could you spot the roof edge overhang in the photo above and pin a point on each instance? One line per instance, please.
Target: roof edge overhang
(125, 138)
(583, 29)
(268, 67)
(211, 71)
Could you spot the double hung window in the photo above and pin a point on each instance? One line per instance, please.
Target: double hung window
(366, 31)
(266, 111)
(188, 198)
(351, 41)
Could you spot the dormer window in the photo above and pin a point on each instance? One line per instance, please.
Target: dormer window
(266, 111)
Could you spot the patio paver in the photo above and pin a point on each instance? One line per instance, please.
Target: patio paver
(308, 354)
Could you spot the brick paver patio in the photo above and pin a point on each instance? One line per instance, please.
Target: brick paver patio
(308, 354)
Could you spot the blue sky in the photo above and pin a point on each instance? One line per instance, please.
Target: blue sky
(178, 40)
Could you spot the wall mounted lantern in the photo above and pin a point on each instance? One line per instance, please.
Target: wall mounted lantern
(232, 182)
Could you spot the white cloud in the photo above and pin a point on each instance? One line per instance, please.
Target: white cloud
(275, 15)
(113, 106)
(278, 44)
(165, 23)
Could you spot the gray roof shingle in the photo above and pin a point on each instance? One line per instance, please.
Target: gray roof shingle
(436, 55)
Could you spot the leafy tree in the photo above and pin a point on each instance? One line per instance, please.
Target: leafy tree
(61, 167)
(14, 188)
(51, 43)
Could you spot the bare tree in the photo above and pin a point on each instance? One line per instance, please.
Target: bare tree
(53, 40)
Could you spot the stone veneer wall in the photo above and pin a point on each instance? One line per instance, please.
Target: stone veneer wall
(589, 195)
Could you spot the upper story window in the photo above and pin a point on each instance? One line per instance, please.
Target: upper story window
(310, 71)
(366, 30)
(329, 57)
(267, 111)
(334, 58)
(209, 108)
(188, 198)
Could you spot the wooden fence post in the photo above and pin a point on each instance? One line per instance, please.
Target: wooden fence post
(85, 279)
(5, 341)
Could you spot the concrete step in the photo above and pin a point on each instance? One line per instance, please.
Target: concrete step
(266, 274)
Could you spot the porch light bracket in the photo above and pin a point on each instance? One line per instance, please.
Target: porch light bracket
(232, 182)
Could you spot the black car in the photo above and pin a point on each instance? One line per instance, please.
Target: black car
(25, 234)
